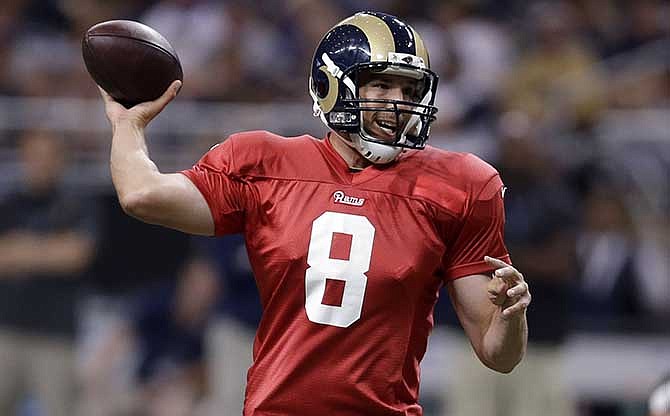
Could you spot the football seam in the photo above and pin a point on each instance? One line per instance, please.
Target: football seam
(153, 45)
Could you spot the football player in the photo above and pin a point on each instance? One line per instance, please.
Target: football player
(350, 237)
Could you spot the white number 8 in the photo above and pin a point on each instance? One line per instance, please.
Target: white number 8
(352, 271)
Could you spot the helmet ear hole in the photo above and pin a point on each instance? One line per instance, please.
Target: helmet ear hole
(358, 49)
(321, 84)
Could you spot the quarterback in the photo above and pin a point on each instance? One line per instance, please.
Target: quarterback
(350, 236)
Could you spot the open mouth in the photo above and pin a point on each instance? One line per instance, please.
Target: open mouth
(386, 126)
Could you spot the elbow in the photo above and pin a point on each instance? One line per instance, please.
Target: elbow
(504, 365)
(138, 204)
(502, 368)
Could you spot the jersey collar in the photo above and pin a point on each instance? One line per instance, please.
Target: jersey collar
(351, 176)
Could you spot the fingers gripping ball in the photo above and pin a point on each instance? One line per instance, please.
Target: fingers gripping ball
(129, 60)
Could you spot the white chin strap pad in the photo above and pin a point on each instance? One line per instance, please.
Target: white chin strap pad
(375, 152)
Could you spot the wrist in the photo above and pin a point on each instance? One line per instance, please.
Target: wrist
(128, 125)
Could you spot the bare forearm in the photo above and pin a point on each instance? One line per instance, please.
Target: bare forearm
(132, 169)
(504, 343)
(493, 313)
(170, 200)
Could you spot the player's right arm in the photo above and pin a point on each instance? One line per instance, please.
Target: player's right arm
(170, 200)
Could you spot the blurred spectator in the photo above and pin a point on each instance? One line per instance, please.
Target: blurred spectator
(555, 80)
(477, 56)
(42, 63)
(539, 232)
(164, 336)
(47, 238)
(304, 23)
(647, 21)
(186, 23)
(231, 334)
(133, 261)
(264, 54)
(9, 23)
(607, 292)
(598, 22)
(82, 14)
(653, 268)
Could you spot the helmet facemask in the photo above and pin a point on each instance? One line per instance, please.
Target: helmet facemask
(380, 125)
(407, 122)
(404, 123)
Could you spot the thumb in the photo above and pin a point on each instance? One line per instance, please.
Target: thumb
(169, 94)
(151, 109)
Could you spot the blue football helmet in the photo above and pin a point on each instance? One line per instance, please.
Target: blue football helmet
(373, 43)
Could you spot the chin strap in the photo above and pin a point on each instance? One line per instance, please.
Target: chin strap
(376, 153)
(373, 152)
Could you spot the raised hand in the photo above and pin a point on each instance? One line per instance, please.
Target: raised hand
(141, 114)
(507, 288)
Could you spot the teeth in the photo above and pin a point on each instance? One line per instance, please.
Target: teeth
(389, 128)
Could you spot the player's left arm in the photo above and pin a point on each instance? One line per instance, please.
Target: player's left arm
(492, 311)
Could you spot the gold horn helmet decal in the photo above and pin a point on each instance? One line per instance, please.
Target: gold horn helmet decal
(378, 33)
(362, 47)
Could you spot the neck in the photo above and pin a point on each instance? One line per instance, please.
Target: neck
(350, 155)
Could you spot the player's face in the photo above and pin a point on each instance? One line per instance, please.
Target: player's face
(383, 124)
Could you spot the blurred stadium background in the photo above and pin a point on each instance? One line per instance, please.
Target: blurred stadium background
(569, 99)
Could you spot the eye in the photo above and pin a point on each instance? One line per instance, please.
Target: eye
(412, 93)
(381, 84)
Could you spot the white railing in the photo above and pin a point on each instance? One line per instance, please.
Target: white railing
(177, 137)
(188, 128)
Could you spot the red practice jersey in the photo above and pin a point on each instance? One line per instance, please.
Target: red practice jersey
(348, 264)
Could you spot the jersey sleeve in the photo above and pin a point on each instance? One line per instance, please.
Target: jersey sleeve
(226, 192)
(481, 234)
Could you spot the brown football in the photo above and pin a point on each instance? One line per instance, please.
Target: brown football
(131, 61)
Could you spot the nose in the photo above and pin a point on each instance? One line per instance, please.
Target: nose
(395, 93)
